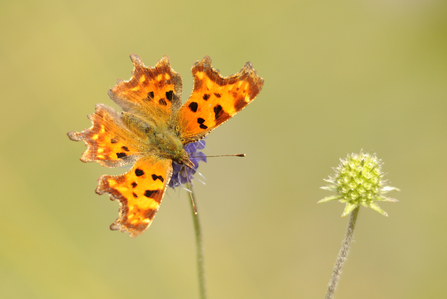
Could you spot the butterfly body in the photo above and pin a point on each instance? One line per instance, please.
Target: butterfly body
(152, 131)
(162, 140)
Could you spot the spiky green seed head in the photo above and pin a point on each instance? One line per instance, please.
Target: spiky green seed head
(359, 180)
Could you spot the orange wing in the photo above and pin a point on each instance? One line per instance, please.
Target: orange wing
(151, 92)
(139, 193)
(108, 141)
(215, 99)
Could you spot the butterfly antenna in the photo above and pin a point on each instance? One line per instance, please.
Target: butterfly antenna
(234, 155)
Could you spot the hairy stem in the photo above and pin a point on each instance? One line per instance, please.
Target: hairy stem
(342, 254)
(199, 246)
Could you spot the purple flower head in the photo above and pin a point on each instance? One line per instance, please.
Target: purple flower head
(182, 174)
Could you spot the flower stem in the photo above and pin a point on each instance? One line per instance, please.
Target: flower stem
(342, 254)
(199, 246)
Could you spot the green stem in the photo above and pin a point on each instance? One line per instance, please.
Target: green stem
(199, 246)
(342, 254)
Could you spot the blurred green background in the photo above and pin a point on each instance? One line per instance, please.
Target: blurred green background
(340, 76)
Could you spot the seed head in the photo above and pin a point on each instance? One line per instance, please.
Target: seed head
(359, 180)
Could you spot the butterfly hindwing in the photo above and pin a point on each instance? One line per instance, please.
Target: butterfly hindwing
(108, 141)
(139, 193)
(215, 99)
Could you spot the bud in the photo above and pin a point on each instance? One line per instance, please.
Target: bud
(359, 180)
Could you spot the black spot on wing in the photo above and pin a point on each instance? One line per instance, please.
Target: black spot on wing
(217, 95)
(150, 193)
(201, 121)
(150, 94)
(169, 95)
(217, 111)
(121, 155)
(159, 177)
(193, 106)
(220, 115)
(139, 172)
(154, 194)
(163, 102)
(206, 97)
(125, 148)
(134, 185)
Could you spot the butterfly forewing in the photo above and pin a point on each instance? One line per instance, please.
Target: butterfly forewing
(152, 92)
(215, 99)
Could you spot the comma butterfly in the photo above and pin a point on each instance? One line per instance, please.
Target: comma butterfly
(153, 129)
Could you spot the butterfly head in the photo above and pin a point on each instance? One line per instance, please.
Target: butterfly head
(188, 163)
